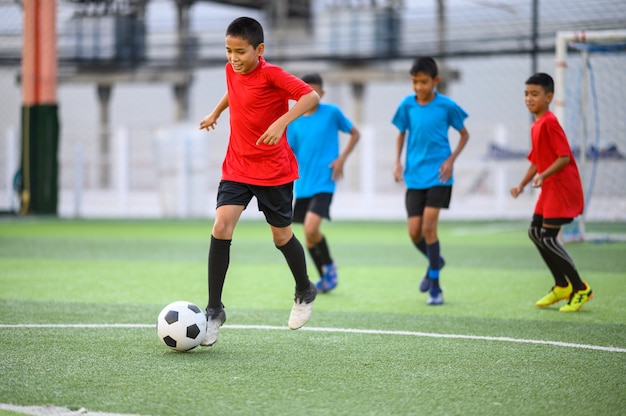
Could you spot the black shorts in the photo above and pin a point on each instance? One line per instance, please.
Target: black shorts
(273, 201)
(318, 204)
(538, 221)
(418, 199)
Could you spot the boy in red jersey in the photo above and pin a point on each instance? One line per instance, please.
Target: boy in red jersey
(553, 169)
(258, 162)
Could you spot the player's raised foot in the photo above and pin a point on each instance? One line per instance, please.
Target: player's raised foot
(556, 294)
(302, 307)
(328, 281)
(215, 318)
(435, 297)
(425, 283)
(578, 299)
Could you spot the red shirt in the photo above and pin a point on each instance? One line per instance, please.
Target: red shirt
(561, 193)
(255, 101)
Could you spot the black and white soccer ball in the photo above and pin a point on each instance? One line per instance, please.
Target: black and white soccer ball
(181, 325)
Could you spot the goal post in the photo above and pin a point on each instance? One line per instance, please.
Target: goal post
(590, 103)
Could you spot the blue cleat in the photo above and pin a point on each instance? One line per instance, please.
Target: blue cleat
(328, 281)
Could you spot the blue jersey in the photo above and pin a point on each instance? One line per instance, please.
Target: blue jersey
(314, 139)
(427, 144)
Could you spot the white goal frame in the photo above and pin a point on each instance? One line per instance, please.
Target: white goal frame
(561, 51)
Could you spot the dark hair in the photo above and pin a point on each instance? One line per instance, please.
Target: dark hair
(543, 80)
(426, 65)
(246, 28)
(313, 78)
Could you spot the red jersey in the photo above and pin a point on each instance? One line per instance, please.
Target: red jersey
(255, 101)
(561, 193)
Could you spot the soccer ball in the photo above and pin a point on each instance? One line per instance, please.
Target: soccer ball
(181, 326)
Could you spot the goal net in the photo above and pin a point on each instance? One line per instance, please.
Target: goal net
(590, 102)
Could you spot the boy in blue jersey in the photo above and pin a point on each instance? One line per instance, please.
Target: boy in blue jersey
(314, 139)
(427, 116)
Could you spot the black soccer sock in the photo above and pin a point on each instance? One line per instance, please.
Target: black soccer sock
(324, 251)
(294, 254)
(219, 259)
(534, 232)
(433, 251)
(421, 246)
(317, 260)
(560, 257)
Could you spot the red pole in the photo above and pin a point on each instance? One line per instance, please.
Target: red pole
(47, 70)
(39, 57)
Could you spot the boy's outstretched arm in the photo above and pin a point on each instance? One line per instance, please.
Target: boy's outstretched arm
(210, 121)
(530, 174)
(445, 170)
(275, 131)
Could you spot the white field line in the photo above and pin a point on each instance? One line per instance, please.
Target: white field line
(49, 410)
(346, 330)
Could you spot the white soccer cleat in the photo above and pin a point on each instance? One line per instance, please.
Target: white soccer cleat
(302, 307)
(215, 319)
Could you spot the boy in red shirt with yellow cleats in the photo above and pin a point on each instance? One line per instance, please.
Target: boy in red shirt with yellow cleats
(553, 169)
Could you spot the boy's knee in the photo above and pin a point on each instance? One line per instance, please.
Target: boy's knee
(311, 232)
(429, 231)
(415, 233)
(281, 236)
(222, 230)
(549, 234)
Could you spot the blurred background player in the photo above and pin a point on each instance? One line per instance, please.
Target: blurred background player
(427, 116)
(258, 163)
(314, 138)
(553, 169)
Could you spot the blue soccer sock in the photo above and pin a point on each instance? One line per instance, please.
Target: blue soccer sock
(433, 251)
(433, 275)
(423, 248)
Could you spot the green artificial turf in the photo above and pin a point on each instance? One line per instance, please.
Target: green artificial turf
(372, 346)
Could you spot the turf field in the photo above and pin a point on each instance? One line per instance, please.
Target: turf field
(79, 301)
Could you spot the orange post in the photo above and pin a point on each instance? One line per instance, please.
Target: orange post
(39, 57)
(40, 126)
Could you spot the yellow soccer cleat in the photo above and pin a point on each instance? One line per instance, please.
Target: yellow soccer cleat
(556, 294)
(578, 299)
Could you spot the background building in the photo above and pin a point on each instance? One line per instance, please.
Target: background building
(136, 76)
